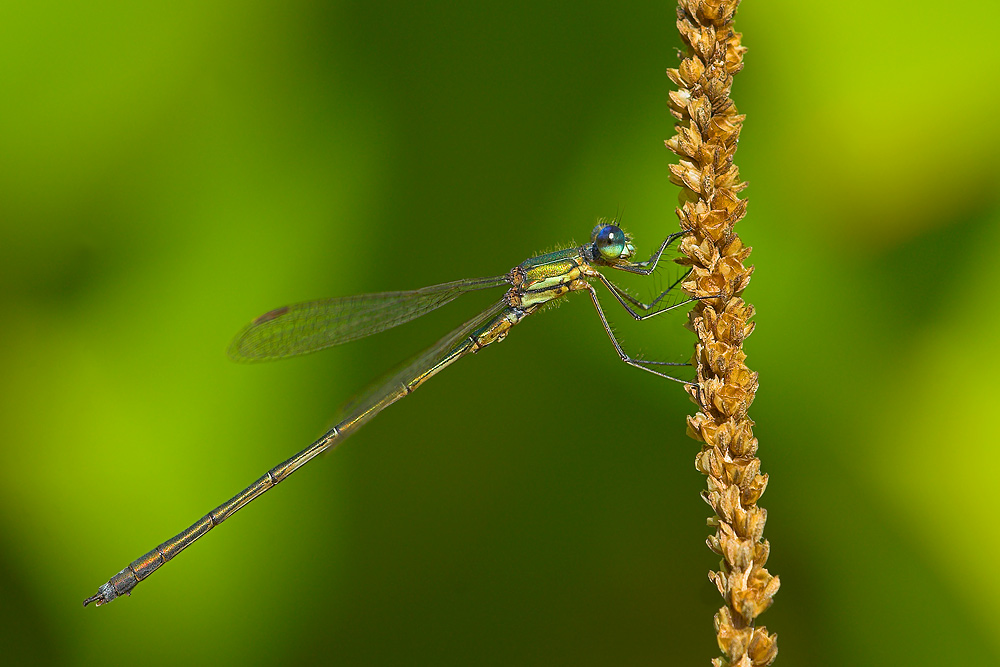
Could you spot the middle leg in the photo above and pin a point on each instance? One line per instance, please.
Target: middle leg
(638, 363)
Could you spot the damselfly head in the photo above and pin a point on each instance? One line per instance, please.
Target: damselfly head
(611, 243)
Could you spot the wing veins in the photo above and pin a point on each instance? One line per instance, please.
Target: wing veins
(315, 325)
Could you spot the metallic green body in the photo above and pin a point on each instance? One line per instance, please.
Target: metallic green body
(310, 326)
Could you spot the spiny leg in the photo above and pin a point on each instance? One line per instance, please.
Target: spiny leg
(618, 348)
(622, 294)
(647, 267)
(647, 306)
(624, 298)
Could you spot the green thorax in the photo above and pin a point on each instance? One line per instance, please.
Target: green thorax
(546, 277)
(550, 268)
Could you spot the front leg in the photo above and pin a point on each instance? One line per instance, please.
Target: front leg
(647, 267)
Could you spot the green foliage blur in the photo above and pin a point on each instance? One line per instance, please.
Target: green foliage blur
(168, 171)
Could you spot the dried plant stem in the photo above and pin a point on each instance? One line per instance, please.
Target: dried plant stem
(708, 130)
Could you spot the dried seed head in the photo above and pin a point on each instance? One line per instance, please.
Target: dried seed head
(709, 207)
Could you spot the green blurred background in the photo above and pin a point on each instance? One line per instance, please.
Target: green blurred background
(170, 170)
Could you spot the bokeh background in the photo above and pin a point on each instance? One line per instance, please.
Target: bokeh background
(170, 170)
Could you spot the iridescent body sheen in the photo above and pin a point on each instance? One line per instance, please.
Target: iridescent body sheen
(311, 326)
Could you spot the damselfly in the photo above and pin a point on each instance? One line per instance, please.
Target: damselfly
(307, 327)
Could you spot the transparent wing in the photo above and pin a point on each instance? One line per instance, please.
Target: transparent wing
(400, 381)
(314, 325)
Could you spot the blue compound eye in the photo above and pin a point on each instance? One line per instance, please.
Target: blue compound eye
(610, 242)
